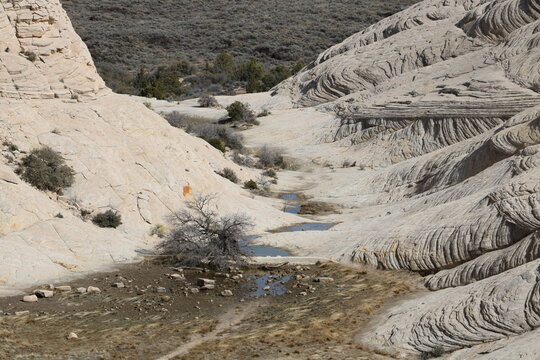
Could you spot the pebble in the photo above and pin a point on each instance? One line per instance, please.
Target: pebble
(161, 289)
(204, 282)
(324, 279)
(119, 285)
(226, 293)
(81, 290)
(72, 336)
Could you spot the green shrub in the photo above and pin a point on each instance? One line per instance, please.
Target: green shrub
(46, 169)
(223, 63)
(250, 70)
(10, 146)
(240, 112)
(275, 76)
(107, 219)
(217, 143)
(229, 174)
(162, 83)
(251, 185)
(30, 55)
(159, 230)
(270, 173)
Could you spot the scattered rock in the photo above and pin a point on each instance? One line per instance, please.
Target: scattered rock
(194, 290)
(204, 282)
(266, 288)
(81, 290)
(226, 293)
(72, 336)
(44, 293)
(30, 298)
(208, 287)
(303, 293)
(20, 313)
(177, 276)
(323, 279)
(93, 289)
(161, 289)
(119, 285)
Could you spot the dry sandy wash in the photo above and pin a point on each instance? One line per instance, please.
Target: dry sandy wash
(437, 107)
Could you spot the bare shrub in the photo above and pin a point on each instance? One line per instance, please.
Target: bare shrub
(271, 157)
(229, 137)
(208, 101)
(230, 175)
(201, 236)
(243, 159)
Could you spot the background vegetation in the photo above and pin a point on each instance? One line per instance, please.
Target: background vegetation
(184, 37)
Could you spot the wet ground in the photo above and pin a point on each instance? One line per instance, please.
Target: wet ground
(291, 315)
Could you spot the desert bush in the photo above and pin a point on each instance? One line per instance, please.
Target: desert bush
(208, 101)
(264, 113)
(46, 169)
(228, 137)
(275, 76)
(201, 236)
(162, 83)
(251, 185)
(30, 55)
(217, 143)
(107, 219)
(270, 173)
(159, 230)
(229, 174)
(271, 157)
(223, 63)
(243, 160)
(241, 112)
(10, 146)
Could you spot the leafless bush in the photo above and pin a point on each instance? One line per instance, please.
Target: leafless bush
(243, 160)
(228, 136)
(271, 157)
(208, 101)
(201, 236)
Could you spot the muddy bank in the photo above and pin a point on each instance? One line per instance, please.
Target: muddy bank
(157, 312)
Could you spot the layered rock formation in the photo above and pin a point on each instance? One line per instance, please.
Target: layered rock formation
(126, 157)
(439, 106)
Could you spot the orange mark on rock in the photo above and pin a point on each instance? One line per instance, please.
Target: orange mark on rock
(187, 190)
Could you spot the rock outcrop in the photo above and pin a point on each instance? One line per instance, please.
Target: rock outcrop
(126, 157)
(439, 107)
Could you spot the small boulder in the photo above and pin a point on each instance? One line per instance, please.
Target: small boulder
(194, 290)
(93, 289)
(72, 336)
(208, 287)
(118, 285)
(30, 298)
(81, 290)
(204, 282)
(44, 293)
(177, 276)
(226, 293)
(161, 289)
(20, 313)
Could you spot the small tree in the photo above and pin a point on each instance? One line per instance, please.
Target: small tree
(239, 111)
(251, 185)
(223, 63)
(201, 236)
(46, 169)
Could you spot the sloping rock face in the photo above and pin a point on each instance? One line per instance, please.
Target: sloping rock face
(439, 105)
(126, 157)
(41, 55)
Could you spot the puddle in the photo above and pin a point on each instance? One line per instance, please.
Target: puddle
(293, 208)
(309, 227)
(275, 285)
(290, 197)
(260, 250)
